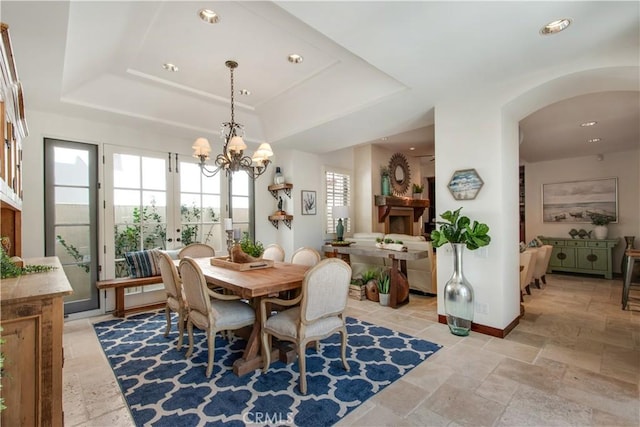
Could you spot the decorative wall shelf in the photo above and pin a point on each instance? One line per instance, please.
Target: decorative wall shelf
(275, 188)
(275, 220)
(386, 203)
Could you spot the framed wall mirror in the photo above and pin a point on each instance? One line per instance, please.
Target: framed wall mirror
(399, 173)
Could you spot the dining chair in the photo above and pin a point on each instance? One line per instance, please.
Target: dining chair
(196, 250)
(542, 262)
(175, 298)
(210, 310)
(527, 263)
(306, 256)
(274, 252)
(323, 299)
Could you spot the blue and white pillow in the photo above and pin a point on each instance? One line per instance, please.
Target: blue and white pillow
(141, 264)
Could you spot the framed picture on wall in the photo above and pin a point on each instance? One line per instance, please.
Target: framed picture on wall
(309, 202)
(574, 201)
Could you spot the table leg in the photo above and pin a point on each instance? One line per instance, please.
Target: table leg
(251, 357)
(398, 278)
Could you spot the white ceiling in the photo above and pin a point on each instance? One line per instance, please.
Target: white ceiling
(371, 69)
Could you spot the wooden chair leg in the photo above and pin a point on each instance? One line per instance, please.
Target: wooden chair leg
(167, 315)
(343, 352)
(211, 347)
(528, 289)
(537, 282)
(190, 333)
(180, 329)
(266, 352)
(302, 367)
(544, 279)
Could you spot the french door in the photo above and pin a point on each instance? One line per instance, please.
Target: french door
(71, 221)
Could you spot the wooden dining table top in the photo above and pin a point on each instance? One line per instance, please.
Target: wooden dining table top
(283, 276)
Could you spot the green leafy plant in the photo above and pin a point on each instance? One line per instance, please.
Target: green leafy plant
(399, 242)
(387, 240)
(74, 252)
(379, 240)
(249, 247)
(384, 282)
(10, 269)
(600, 219)
(417, 188)
(369, 275)
(459, 229)
(190, 223)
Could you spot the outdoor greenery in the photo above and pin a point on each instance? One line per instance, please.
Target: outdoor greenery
(74, 252)
(190, 218)
(249, 247)
(458, 229)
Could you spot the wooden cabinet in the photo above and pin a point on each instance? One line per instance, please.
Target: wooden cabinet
(13, 128)
(32, 317)
(589, 256)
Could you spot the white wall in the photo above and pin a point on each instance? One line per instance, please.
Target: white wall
(623, 165)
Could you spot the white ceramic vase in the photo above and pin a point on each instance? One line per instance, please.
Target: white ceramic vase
(600, 232)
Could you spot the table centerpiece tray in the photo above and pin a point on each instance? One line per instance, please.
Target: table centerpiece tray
(225, 262)
(341, 243)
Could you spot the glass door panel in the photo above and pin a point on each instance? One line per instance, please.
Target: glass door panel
(71, 218)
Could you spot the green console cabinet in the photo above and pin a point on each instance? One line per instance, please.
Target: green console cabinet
(589, 256)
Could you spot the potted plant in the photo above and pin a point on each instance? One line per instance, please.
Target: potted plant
(458, 293)
(384, 287)
(600, 221)
(385, 180)
(370, 284)
(417, 191)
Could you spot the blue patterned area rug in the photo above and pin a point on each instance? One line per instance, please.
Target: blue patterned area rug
(162, 388)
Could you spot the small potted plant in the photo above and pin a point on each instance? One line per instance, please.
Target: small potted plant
(600, 221)
(384, 287)
(370, 284)
(417, 191)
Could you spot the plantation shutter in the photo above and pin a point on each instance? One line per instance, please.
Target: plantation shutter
(338, 188)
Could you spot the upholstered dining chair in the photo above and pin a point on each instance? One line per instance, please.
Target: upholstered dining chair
(542, 262)
(306, 256)
(323, 299)
(273, 252)
(210, 310)
(175, 298)
(196, 250)
(527, 263)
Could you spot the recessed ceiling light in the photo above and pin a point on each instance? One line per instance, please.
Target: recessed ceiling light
(245, 92)
(587, 124)
(208, 16)
(594, 140)
(555, 26)
(412, 148)
(295, 58)
(384, 138)
(170, 67)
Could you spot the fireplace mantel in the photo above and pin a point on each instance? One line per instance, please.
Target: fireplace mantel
(386, 203)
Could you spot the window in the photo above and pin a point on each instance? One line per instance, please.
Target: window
(338, 193)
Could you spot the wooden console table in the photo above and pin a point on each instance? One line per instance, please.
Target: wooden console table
(588, 256)
(398, 264)
(32, 320)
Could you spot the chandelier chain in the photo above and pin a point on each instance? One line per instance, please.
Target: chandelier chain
(232, 103)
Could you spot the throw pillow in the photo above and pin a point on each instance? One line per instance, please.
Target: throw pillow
(141, 264)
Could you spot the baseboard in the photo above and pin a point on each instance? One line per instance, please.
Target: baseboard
(487, 330)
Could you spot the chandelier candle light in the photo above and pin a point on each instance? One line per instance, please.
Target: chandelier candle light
(232, 158)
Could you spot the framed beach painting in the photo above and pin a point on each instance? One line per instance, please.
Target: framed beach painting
(465, 184)
(574, 201)
(309, 203)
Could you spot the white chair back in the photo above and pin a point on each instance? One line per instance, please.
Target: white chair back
(196, 250)
(273, 252)
(325, 290)
(306, 256)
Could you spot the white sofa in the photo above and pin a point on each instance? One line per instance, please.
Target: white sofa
(419, 272)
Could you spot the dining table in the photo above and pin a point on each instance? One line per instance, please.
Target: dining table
(254, 285)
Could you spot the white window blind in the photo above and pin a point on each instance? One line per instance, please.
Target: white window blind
(338, 188)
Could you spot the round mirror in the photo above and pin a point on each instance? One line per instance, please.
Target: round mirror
(400, 174)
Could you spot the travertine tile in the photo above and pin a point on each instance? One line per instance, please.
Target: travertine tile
(463, 407)
(423, 416)
(468, 360)
(514, 350)
(533, 407)
(497, 388)
(401, 397)
(540, 377)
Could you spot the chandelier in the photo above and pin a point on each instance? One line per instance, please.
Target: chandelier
(232, 158)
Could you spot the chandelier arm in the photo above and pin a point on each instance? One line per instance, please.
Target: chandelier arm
(209, 173)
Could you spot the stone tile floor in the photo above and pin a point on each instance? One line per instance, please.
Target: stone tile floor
(574, 359)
